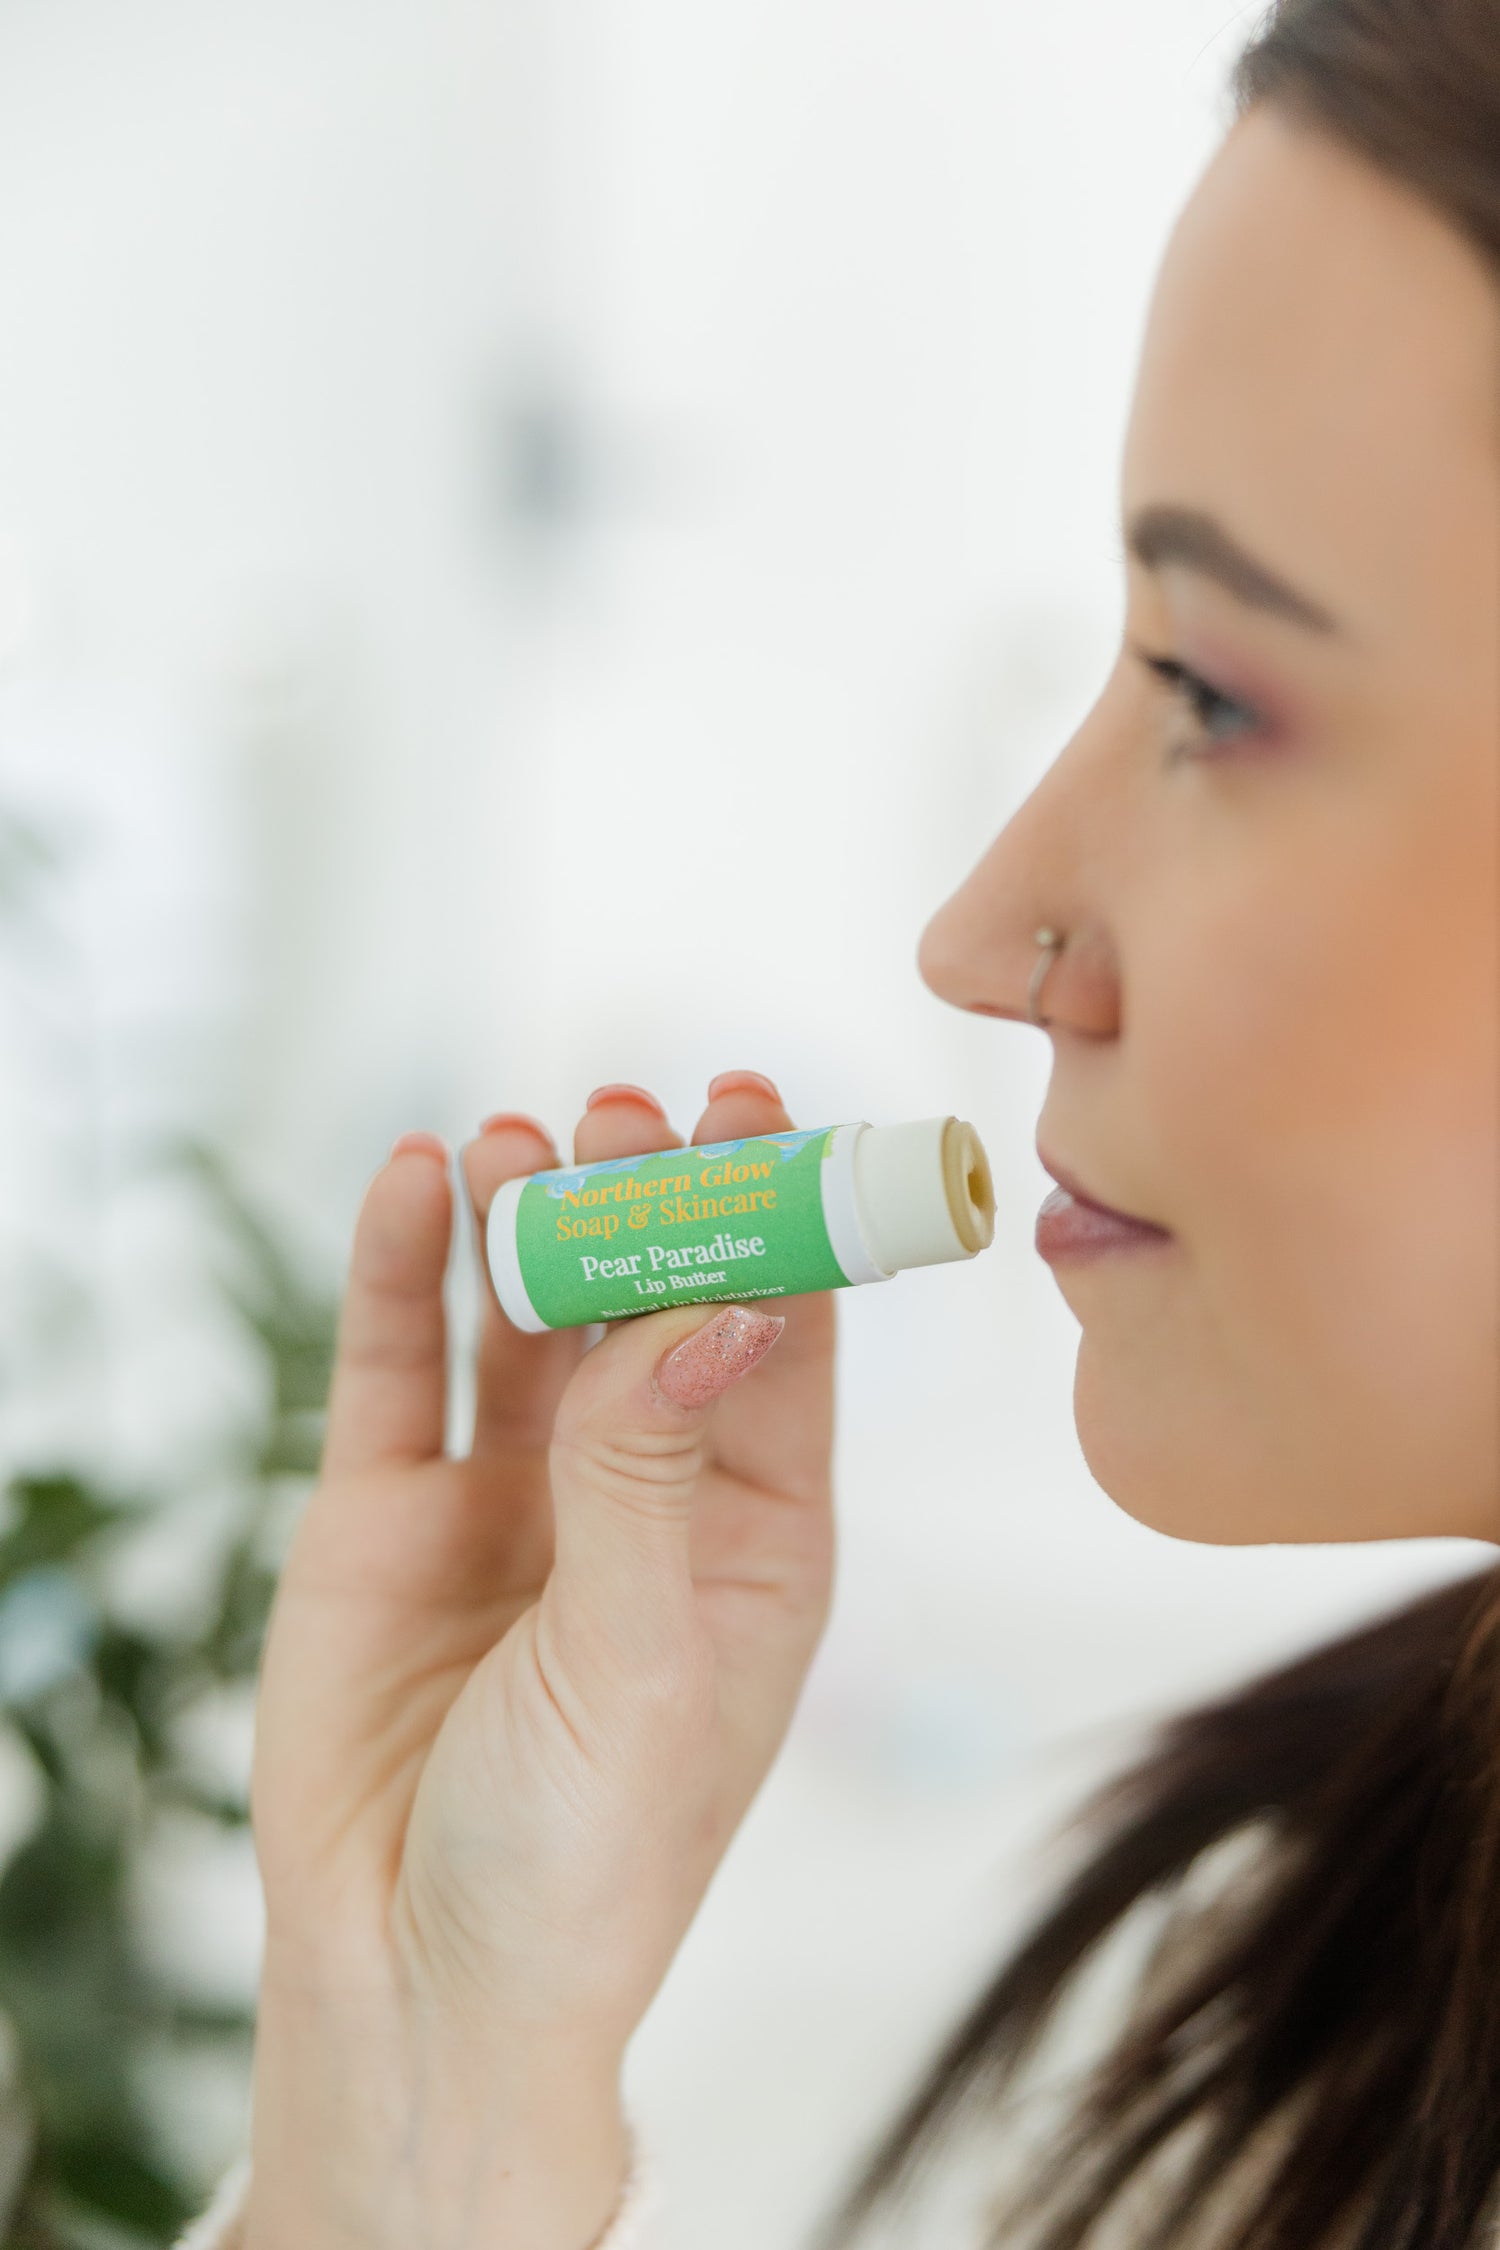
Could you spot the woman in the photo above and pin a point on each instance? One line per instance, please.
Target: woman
(514, 1706)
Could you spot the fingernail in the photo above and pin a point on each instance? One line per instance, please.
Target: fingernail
(504, 1119)
(421, 1144)
(620, 1092)
(716, 1356)
(752, 1080)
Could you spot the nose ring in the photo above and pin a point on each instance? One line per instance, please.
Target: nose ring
(1049, 940)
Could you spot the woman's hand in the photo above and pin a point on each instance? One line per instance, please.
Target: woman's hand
(512, 1709)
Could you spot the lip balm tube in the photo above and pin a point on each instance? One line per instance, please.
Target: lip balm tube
(730, 1221)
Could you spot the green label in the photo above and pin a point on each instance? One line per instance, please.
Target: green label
(724, 1223)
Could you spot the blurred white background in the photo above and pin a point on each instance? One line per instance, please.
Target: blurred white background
(537, 541)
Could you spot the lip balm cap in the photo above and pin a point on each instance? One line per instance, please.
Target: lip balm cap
(924, 1192)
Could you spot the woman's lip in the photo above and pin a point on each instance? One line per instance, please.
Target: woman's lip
(1068, 1226)
(1080, 1194)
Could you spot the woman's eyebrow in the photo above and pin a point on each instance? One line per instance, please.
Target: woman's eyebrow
(1162, 534)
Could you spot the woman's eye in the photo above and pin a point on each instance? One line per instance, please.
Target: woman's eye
(1207, 705)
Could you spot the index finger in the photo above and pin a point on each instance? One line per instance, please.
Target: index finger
(390, 1363)
(519, 1376)
(622, 1121)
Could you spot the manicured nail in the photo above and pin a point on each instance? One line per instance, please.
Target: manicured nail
(731, 1081)
(421, 1144)
(620, 1092)
(716, 1356)
(504, 1119)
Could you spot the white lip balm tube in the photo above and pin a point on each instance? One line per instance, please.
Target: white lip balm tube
(775, 1215)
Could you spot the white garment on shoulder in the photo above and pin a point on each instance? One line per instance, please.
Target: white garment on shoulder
(221, 2226)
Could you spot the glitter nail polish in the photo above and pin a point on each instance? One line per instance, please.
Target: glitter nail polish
(773, 1215)
(716, 1356)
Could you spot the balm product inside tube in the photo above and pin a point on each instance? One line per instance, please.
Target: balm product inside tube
(772, 1216)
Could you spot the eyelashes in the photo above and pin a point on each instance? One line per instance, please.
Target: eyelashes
(1203, 700)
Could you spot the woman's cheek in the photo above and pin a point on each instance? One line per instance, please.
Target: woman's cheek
(1328, 1142)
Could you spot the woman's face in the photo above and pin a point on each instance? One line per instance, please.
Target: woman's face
(1276, 1021)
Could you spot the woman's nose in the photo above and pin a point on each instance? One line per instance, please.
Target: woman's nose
(984, 969)
(982, 949)
(1051, 869)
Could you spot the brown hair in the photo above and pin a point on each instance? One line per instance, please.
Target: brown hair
(1334, 2009)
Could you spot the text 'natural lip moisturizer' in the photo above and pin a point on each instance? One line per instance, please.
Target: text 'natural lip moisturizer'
(772, 1216)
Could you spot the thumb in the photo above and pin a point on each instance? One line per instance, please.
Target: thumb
(629, 1444)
